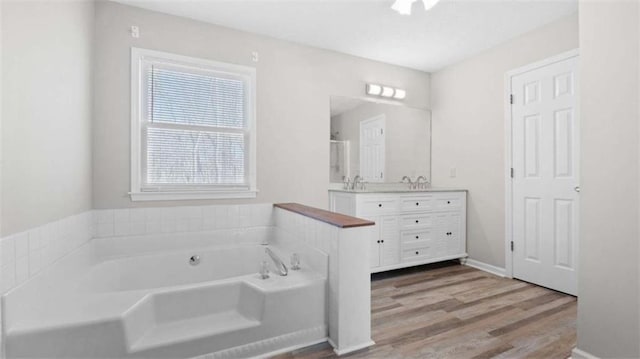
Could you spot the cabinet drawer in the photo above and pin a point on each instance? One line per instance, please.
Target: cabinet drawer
(377, 206)
(448, 202)
(416, 236)
(416, 203)
(416, 220)
(419, 253)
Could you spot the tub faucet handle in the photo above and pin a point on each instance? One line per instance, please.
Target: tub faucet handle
(295, 261)
(264, 270)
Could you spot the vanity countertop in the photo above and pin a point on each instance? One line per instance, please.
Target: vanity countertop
(398, 190)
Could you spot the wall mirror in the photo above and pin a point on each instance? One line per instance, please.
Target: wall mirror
(381, 142)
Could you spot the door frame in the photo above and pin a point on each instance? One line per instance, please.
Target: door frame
(509, 147)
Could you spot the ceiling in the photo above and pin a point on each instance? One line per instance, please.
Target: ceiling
(450, 32)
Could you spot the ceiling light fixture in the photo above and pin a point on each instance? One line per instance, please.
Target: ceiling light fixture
(403, 7)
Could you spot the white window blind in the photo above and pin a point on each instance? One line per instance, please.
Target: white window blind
(195, 127)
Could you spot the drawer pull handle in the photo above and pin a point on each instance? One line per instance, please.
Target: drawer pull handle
(378, 241)
(417, 221)
(417, 203)
(417, 237)
(448, 202)
(380, 205)
(417, 252)
(382, 241)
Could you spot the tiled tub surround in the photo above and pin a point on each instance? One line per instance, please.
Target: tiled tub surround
(25, 254)
(154, 220)
(108, 268)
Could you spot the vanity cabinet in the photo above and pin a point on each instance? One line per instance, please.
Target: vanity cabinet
(412, 228)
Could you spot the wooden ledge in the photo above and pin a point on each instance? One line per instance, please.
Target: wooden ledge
(332, 218)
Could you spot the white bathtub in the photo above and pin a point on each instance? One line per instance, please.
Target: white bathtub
(139, 297)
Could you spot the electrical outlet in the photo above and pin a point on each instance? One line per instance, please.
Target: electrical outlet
(135, 32)
(452, 172)
(254, 56)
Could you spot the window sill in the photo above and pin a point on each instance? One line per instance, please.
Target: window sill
(181, 196)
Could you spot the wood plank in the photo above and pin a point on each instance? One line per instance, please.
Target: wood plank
(332, 218)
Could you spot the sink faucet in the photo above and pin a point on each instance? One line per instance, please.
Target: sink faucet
(346, 181)
(282, 269)
(356, 180)
(421, 185)
(408, 179)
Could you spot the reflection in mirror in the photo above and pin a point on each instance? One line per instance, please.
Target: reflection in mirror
(380, 142)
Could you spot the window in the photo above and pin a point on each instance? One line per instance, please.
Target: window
(192, 128)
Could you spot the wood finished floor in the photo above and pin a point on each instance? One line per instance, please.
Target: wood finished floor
(453, 311)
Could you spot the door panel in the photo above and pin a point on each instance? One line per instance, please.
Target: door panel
(372, 149)
(545, 155)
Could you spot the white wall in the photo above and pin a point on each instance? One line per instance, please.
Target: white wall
(294, 86)
(608, 317)
(468, 129)
(46, 117)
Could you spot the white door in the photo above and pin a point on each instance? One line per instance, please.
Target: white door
(545, 184)
(372, 147)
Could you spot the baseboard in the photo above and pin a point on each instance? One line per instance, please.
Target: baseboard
(350, 349)
(581, 354)
(500, 272)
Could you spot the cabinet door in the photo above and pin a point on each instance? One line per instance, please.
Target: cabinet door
(450, 236)
(390, 240)
(375, 243)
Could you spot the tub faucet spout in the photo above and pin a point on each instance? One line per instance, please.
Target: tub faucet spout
(282, 269)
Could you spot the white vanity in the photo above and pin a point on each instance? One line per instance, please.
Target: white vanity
(413, 227)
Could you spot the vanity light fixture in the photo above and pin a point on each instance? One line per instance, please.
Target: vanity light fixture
(403, 7)
(386, 91)
(374, 90)
(399, 94)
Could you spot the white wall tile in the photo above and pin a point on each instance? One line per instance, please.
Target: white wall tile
(121, 215)
(182, 225)
(137, 214)
(154, 227)
(35, 261)
(22, 245)
(105, 215)
(154, 214)
(8, 250)
(22, 270)
(7, 277)
(168, 226)
(34, 240)
(121, 228)
(195, 224)
(138, 228)
(105, 229)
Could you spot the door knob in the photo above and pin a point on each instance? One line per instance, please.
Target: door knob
(577, 189)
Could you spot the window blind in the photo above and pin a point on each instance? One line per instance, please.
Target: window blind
(196, 132)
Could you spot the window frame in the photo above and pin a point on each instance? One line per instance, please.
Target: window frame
(140, 192)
